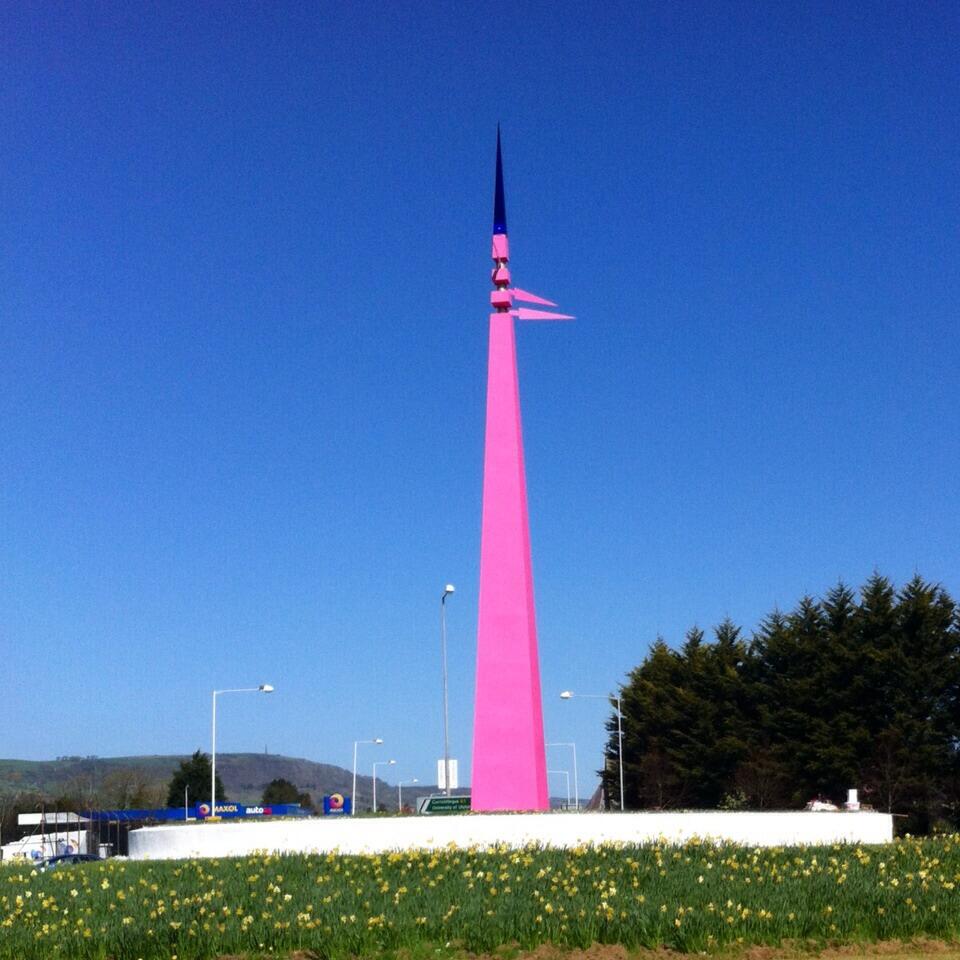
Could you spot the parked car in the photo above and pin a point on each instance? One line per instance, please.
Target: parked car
(51, 863)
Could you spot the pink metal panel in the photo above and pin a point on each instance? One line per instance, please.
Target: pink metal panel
(509, 759)
(509, 765)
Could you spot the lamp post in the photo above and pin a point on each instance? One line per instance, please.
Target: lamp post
(569, 695)
(576, 779)
(400, 792)
(566, 773)
(378, 763)
(353, 797)
(447, 590)
(263, 688)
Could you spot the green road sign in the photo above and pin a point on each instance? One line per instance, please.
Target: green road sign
(444, 805)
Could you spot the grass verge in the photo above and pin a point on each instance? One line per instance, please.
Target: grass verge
(419, 905)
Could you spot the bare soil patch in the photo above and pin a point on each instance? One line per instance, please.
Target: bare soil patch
(887, 950)
(920, 949)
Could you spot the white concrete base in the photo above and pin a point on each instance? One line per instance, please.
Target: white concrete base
(377, 835)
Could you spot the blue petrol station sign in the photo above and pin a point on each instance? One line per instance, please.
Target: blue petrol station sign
(335, 804)
(201, 811)
(232, 810)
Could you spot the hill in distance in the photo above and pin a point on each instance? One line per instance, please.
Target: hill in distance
(244, 777)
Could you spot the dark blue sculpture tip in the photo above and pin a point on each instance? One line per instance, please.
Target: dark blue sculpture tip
(499, 204)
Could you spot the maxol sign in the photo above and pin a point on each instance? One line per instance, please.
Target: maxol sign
(229, 810)
(201, 811)
(337, 803)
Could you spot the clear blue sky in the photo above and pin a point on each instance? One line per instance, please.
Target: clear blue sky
(243, 296)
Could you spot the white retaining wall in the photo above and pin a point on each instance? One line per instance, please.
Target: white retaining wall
(377, 835)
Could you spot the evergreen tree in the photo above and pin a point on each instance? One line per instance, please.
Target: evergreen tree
(193, 775)
(280, 791)
(927, 717)
(874, 688)
(727, 690)
(788, 691)
(650, 716)
(708, 743)
(839, 693)
(763, 775)
(684, 723)
(690, 745)
(283, 791)
(840, 739)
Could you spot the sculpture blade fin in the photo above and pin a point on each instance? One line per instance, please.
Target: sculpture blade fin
(524, 314)
(527, 297)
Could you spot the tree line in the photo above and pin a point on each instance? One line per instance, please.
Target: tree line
(133, 788)
(845, 691)
(192, 779)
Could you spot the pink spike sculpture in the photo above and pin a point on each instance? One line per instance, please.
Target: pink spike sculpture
(509, 760)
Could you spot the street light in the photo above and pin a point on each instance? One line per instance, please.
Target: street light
(263, 688)
(447, 590)
(353, 798)
(378, 763)
(569, 695)
(566, 773)
(400, 792)
(576, 779)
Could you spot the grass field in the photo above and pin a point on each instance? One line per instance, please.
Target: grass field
(699, 897)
